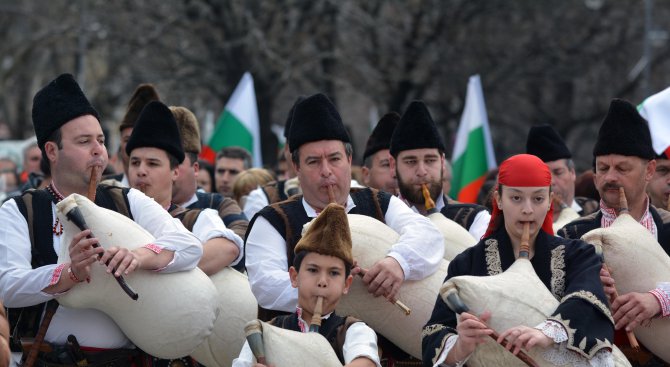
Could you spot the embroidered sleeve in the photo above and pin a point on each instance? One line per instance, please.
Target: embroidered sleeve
(55, 276)
(157, 250)
(559, 355)
(154, 248)
(663, 297)
(554, 330)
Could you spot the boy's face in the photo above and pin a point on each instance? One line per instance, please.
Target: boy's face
(320, 275)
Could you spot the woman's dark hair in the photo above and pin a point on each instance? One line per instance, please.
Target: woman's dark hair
(300, 256)
(204, 165)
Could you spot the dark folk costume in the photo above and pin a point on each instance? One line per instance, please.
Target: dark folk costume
(329, 235)
(568, 268)
(661, 219)
(288, 218)
(624, 132)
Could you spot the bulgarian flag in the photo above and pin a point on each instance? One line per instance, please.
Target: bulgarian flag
(656, 110)
(473, 153)
(238, 124)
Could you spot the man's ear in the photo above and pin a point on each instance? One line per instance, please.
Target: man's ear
(50, 149)
(392, 163)
(365, 171)
(175, 174)
(347, 284)
(649, 170)
(293, 274)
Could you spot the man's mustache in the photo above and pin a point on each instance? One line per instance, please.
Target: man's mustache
(611, 187)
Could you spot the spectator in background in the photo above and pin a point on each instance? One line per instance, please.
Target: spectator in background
(485, 196)
(249, 180)
(31, 161)
(230, 162)
(659, 185)
(39, 179)
(9, 178)
(7, 163)
(205, 176)
(283, 167)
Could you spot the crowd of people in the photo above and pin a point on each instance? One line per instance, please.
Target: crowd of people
(226, 213)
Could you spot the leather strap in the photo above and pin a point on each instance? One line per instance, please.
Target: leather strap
(52, 306)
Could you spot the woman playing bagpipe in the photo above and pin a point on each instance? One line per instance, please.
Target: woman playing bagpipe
(580, 329)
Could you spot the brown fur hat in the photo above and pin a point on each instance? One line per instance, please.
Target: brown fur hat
(188, 129)
(144, 93)
(329, 234)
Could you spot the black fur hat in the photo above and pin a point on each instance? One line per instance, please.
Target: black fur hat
(316, 119)
(56, 104)
(380, 138)
(156, 128)
(544, 142)
(289, 118)
(624, 132)
(416, 129)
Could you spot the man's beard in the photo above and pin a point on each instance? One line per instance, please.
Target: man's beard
(415, 196)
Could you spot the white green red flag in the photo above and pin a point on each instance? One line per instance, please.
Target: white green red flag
(473, 154)
(656, 110)
(238, 124)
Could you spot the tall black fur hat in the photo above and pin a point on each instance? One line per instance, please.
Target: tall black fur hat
(316, 119)
(143, 94)
(156, 128)
(289, 118)
(57, 103)
(380, 138)
(544, 142)
(624, 132)
(416, 129)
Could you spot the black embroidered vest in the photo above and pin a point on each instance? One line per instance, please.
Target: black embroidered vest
(288, 216)
(461, 213)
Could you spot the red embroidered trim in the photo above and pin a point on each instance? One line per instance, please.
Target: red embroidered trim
(663, 299)
(55, 276)
(301, 324)
(57, 229)
(154, 248)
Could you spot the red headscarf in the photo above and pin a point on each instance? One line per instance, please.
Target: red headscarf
(522, 170)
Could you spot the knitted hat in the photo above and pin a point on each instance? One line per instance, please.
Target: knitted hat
(56, 104)
(156, 128)
(544, 142)
(624, 132)
(144, 93)
(316, 119)
(188, 129)
(416, 129)
(328, 234)
(381, 135)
